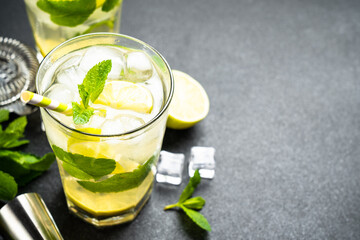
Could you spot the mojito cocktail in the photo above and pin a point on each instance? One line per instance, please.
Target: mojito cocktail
(55, 21)
(106, 164)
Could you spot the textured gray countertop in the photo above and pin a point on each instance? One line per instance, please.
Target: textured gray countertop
(283, 79)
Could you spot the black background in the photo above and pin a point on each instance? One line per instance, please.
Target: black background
(283, 78)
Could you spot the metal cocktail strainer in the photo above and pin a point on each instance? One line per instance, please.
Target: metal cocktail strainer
(18, 66)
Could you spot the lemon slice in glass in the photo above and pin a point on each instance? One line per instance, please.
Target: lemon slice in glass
(126, 95)
(96, 204)
(190, 103)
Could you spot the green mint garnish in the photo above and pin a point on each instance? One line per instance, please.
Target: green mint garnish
(81, 115)
(187, 204)
(17, 168)
(109, 5)
(92, 86)
(8, 189)
(68, 13)
(84, 167)
(9, 138)
(121, 181)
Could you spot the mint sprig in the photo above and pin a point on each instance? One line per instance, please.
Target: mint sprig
(92, 86)
(17, 168)
(187, 204)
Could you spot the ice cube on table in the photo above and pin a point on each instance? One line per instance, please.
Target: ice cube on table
(170, 168)
(97, 54)
(138, 67)
(202, 158)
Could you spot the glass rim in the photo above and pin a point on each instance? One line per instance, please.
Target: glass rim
(156, 117)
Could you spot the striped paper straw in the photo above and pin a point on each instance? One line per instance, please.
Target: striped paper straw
(41, 101)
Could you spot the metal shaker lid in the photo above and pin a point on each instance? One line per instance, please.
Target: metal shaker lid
(18, 66)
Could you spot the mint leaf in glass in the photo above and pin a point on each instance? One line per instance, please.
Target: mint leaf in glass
(94, 82)
(68, 13)
(121, 181)
(81, 115)
(8, 186)
(196, 203)
(92, 86)
(109, 5)
(82, 166)
(76, 172)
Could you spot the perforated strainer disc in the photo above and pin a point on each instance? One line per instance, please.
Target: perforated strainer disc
(18, 66)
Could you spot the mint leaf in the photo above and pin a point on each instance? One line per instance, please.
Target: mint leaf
(68, 13)
(79, 164)
(24, 167)
(17, 126)
(15, 130)
(198, 218)
(92, 86)
(39, 164)
(10, 140)
(8, 186)
(76, 172)
(81, 115)
(194, 203)
(4, 115)
(189, 189)
(121, 181)
(94, 82)
(109, 4)
(84, 95)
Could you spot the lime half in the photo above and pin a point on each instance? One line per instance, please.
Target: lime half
(190, 103)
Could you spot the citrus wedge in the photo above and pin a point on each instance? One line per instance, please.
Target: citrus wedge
(190, 103)
(126, 95)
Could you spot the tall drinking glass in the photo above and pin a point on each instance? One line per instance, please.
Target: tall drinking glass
(55, 21)
(107, 165)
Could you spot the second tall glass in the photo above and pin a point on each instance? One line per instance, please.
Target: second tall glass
(54, 22)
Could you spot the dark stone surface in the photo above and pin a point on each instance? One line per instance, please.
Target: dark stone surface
(283, 79)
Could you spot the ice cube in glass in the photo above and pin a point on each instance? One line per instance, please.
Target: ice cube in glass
(138, 67)
(170, 168)
(202, 158)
